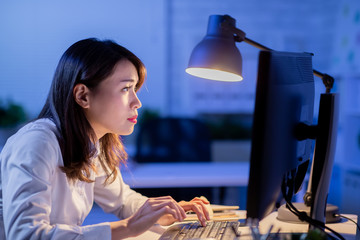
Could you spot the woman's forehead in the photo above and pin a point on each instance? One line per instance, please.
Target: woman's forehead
(124, 71)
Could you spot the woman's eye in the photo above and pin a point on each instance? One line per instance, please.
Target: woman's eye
(128, 88)
(125, 89)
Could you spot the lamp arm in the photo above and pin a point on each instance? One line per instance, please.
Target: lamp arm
(257, 45)
(327, 80)
(240, 36)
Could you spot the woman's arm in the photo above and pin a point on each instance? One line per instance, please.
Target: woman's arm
(139, 213)
(199, 205)
(28, 164)
(163, 210)
(117, 197)
(149, 213)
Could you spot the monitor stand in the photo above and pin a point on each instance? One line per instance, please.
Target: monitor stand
(284, 214)
(321, 168)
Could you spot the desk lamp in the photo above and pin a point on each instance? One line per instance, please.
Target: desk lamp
(217, 58)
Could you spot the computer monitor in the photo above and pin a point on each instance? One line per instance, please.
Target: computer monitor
(283, 133)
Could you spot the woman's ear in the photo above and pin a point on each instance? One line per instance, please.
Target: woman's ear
(81, 95)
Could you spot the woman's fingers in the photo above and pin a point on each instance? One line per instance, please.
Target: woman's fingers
(197, 207)
(202, 199)
(205, 207)
(164, 210)
(168, 203)
(205, 204)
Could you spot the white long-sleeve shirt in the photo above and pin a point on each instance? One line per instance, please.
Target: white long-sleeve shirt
(37, 201)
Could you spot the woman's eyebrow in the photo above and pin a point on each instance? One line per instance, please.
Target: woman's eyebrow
(127, 80)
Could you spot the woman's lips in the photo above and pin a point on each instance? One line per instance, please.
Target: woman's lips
(133, 119)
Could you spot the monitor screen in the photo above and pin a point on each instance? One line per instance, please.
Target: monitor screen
(284, 98)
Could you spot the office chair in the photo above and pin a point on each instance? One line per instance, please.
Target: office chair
(173, 139)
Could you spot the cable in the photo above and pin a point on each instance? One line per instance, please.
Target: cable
(303, 215)
(305, 218)
(342, 216)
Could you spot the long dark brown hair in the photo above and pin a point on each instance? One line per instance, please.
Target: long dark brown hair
(89, 62)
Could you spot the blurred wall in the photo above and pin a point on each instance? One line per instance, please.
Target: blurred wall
(162, 33)
(34, 35)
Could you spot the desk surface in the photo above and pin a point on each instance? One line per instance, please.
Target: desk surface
(346, 228)
(200, 174)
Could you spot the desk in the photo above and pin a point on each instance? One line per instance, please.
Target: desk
(199, 174)
(346, 228)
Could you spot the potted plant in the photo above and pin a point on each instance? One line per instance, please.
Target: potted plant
(12, 115)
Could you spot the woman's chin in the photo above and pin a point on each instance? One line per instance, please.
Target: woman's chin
(126, 133)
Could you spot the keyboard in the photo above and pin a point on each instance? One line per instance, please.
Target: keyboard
(219, 230)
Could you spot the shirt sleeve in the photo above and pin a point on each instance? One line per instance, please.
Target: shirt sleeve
(27, 171)
(117, 197)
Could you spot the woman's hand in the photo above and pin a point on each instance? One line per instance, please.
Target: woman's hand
(197, 205)
(148, 214)
(162, 210)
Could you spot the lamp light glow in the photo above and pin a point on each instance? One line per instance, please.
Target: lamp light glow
(216, 57)
(214, 74)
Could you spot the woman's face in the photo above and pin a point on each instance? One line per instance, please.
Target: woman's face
(113, 103)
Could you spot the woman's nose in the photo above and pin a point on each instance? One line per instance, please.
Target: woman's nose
(136, 102)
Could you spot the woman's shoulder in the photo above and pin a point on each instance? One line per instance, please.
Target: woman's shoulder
(34, 147)
(37, 136)
(36, 130)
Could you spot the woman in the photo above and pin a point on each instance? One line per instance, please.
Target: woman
(53, 168)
